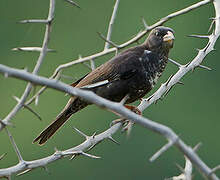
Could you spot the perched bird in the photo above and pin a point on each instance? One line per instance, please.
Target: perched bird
(132, 73)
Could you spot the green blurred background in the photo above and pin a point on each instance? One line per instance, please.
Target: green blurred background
(190, 110)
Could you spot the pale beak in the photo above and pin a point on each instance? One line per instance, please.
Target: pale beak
(169, 37)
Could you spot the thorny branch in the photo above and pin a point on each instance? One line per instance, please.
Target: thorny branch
(43, 52)
(110, 50)
(26, 166)
(187, 171)
(90, 141)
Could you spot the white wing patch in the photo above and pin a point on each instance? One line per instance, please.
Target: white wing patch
(147, 52)
(101, 83)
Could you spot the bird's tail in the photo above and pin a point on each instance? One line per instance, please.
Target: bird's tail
(72, 107)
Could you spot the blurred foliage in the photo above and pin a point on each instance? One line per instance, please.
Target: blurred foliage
(190, 110)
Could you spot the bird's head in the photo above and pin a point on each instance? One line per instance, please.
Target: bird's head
(160, 39)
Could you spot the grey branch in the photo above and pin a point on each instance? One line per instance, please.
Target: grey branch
(114, 49)
(107, 44)
(36, 68)
(26, 166)
(187, 171)
(115, 107)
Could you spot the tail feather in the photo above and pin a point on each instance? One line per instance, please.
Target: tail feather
(60, 120)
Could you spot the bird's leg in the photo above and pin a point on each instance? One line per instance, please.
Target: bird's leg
(127, 127)
(126, 123)
(134, 109)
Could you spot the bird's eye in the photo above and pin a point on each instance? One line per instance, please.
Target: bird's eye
(157, 33)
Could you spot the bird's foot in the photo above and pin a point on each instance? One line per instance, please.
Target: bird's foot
(134, 109)
(121, 120)
(127, 125)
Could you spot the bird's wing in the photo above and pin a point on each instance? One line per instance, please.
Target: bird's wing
(123, 66)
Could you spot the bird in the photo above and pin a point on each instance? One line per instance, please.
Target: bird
(132, 73)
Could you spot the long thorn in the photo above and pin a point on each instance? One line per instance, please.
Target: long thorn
(174, 62)
(28, 108)
(145, 23)
(162, 150)
(215, 169)
(45, 21)
(197, 146)
(14, 146)
(199, 36)
(180, 168)
(90, 155)
(205, 67)
(2, 156)
(113, 140)
(73, 3)
(110, 42)
(24, 172)
(81, 133)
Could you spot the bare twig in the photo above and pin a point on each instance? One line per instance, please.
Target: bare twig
(36, 68)
(110, 26)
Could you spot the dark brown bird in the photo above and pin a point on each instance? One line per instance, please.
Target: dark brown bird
(132, 72)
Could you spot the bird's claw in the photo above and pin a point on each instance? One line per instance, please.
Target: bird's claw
(122, 120)
(133, 109)
(127, 127)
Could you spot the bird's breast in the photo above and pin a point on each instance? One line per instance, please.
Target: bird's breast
(154, 69)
